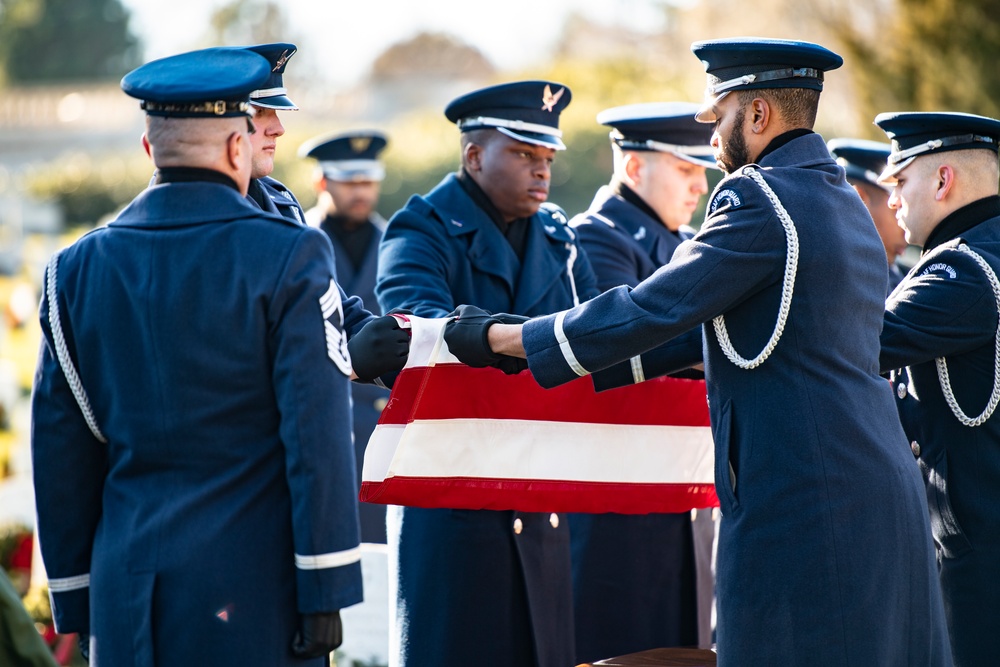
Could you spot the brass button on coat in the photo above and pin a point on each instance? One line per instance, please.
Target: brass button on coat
(518, 526)
(554, 520)
(915, 448)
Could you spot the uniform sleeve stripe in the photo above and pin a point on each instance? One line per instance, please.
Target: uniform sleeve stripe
(324, 561)
(567, 350)
(638, 375)
(69, 583)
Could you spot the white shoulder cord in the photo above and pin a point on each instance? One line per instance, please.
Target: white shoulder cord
(787, 285)
(570, 261)
(942, 366)
(65, 361)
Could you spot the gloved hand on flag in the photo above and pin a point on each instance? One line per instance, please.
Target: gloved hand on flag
(466, 336)
(380, 348)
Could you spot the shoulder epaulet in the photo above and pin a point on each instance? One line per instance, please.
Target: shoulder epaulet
(555, 212)
(419, 205)
(555, 222)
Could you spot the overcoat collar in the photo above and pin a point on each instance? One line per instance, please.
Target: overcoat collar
(657, 242)
(546, 253)
(183, 204)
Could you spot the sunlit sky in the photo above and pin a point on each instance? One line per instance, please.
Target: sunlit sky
(346, 36)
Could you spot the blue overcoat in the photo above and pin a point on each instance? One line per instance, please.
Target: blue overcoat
(825, 553)
(633, 576)
(369, 399)
(946, 308)
(896, 274)
(224, 503)
(623, 243)
(478, 587)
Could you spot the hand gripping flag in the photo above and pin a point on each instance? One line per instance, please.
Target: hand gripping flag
(473, 438)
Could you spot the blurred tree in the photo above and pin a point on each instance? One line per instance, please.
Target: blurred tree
(88, 188)
(920, 54)
(430, 54)
(249, 22)
(45, 41)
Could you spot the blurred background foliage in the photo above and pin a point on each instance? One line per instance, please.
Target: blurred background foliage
(46, 41)
(70, 156)
(900, 55)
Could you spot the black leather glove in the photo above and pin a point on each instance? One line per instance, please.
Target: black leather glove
(380, 347)
(467, 339)
(318, 635)
(83, 643)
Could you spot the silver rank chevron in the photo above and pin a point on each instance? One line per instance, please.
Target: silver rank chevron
(336, 339)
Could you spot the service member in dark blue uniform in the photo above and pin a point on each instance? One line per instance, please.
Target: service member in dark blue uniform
(825, 553)
(941, 340)
(200, 506)
(485, 587)
(348, 176)
(863, 161)
(634, 577)
(268, 193)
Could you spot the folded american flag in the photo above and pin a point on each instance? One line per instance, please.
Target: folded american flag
(473, 438)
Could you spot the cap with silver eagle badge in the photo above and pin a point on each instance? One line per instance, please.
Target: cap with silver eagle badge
(273, 94)
(526, 111)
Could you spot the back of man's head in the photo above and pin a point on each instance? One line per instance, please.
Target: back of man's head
(190, 142)
(197, 108)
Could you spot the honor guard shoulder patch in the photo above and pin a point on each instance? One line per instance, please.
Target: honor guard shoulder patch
(727, 197)
(333, 326)
(942, 268)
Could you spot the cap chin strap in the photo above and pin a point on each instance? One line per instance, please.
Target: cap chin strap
(526, 138)
(934, 144)
(942, 365)
(787, 283)
(268, 92)
(651, 145)
(467, 124)
(771, 75)
(353, 170)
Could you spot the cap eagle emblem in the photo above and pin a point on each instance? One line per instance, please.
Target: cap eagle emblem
(280, 62)
(550, 100)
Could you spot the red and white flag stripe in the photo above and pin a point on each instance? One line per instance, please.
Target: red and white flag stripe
(474, 438)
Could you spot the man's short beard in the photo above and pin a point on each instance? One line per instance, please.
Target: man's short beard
(736, 153)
